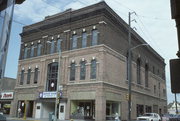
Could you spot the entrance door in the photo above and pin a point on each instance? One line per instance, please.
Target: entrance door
(62, 108)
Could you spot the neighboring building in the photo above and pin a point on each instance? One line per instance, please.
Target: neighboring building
(6, 94)
(6, 14)
(172, 108)
(93, 68)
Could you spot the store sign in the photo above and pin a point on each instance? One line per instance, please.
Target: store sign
(47, 95)
(6, 95)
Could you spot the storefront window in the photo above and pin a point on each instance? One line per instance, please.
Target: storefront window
(112, 108)
(82, 109)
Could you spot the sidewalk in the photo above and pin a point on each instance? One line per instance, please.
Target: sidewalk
(33, 119)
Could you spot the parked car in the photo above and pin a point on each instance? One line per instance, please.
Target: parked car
(175, 118)
(149, 117)
(2, 117)
(167, 117)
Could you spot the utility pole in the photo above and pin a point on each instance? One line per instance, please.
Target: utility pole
(57, 85)
(129, 69)
(129, 65)
(176, 103)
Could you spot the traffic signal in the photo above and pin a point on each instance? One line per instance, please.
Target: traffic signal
(175, 76)
(127, 96)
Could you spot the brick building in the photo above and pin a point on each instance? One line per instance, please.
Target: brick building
(93, 67)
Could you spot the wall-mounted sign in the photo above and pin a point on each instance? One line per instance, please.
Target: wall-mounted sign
(47, 95)
(6, 95)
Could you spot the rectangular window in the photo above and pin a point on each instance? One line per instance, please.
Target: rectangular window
(52, 47)
(22, 77)
(59, 45)
(39, 46)
(28, 76)
(35, 75)
(74, 42)
(84, 39)
(94, 37)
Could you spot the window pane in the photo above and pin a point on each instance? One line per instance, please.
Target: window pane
(52, 76)
(52, 47)
(36, 75)
(146, 75)
(59, 45)
(72, 72)
(22, 77)
(25, 52)
(39, 46)
(93, 69)
(138, 72)
(94, 37)
(74, 41)
(84, 40)
(28, 76)
(32, 51)
(82, 70)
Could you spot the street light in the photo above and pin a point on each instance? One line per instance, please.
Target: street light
(129, 77)
(58, 82)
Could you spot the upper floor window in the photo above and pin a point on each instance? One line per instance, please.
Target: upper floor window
(138, 71)
(146, 75)
(74, 41)
(83, 70)
(32, 51)
(93, 69)
(153, 70)
(52, 47)
(72, 71)
(22, 77)
(154, 89)
(84, 39)
(94, 37)
(59, 45)
(52, 74)
(36, 75)
(25, 52)
(28, 76)
(39, 46)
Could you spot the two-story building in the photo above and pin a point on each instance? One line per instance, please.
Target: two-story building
(92, 45)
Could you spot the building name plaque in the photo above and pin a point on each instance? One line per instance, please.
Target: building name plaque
(47, 95)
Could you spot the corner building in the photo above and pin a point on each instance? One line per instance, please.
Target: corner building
(93, 43)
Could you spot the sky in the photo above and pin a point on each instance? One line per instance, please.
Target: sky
(153, 18)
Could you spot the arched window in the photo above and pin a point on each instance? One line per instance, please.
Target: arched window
(94, 37)
(39, 46)
(52, 75)
(36, 75)
(59, 41)
(52, 47)
(72, 71)
(93, 69)
(74, 41)
(22, 77)
(32, 51)
(84, 39)
(138, 71)
(82, 70)
(146, 75)
(25, 52)
(28, 76)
